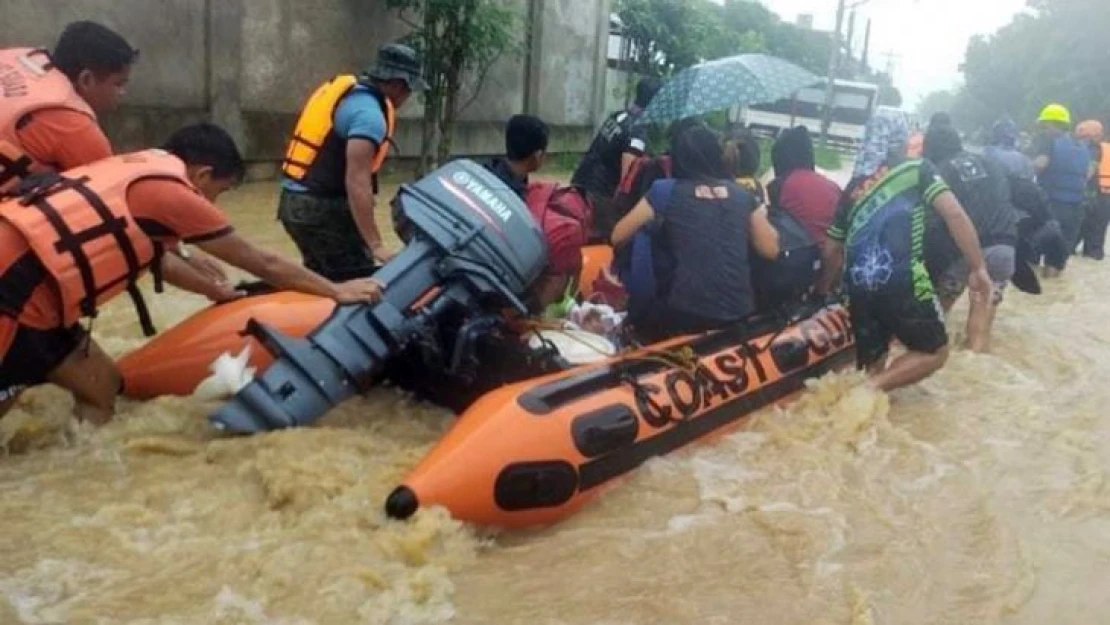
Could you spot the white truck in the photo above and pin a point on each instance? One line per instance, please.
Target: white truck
(853, 105)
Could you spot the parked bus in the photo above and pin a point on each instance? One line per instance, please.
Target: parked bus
(853, 105)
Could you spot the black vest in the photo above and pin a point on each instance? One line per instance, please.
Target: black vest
(327, 176)
(709, 240)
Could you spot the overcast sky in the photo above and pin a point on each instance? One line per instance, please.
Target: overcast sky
(930, 35)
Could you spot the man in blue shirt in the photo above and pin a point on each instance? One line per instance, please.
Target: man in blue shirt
(330, 169)
(1063, 166)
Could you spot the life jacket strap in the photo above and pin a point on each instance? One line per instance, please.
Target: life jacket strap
(72, 243)
(13, 168)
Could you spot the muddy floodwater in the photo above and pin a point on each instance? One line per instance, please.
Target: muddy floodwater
(978, 497)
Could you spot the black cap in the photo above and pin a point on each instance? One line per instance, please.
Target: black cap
(397, 61)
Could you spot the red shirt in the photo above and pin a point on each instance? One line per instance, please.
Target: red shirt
(811, 199)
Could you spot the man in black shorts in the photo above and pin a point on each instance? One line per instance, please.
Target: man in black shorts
(879, 235)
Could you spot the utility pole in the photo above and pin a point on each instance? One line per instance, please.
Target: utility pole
(892, 59)
(849, 43)
(834, 61)
(866, 47)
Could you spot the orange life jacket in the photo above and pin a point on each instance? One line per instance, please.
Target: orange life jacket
(79, 227)
(1104, 170)
(316, 156)
(28, 83)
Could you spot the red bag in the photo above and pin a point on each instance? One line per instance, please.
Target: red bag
(565, 200)
(563, 214)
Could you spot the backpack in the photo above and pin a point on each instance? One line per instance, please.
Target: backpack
(789, 277)
(644, 171)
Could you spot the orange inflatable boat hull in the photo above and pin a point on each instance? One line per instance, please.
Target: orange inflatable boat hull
(177, 360)
(535, 452)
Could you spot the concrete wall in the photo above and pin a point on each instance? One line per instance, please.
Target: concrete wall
(619, 84)
(568, 65)
(250, 64)
(171, 41)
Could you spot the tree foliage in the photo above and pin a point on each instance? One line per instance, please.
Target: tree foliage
(1055, 52)
(669, 35)
(460, 41)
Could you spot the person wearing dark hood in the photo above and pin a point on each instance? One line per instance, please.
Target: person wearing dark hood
(981, 187)
(1003, 148)
(797, 188)
(877, 240)
(939, 119)
(1039, 234)
(801, 207)
(619, 142)
(696, 231)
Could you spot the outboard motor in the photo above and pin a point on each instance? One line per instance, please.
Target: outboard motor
(472, 246)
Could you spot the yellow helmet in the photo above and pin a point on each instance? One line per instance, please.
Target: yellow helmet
(1056, 113)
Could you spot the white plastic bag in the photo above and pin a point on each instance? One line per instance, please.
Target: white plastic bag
(578, 347)
(229, 375)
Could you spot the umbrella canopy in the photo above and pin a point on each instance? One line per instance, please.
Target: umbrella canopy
(721, 84)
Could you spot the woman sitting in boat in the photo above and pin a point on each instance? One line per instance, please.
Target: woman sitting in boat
(801, 204)
(691, 238)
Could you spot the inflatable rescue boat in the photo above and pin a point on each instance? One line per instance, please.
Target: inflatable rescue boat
(533, 446)
(535, 452)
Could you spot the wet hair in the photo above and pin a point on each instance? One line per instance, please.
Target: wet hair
(678, 127)
(94, 47)
(742, 155)
(646, 90)
(942, 143)
(793, 151)
(524, 136)
(697, 154)
(210, 145)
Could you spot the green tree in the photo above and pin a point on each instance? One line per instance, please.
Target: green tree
(1056, 52)
(460, 41)
(667, 35)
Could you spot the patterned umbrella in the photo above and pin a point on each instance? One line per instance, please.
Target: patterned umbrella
(721, 84)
